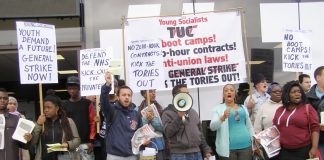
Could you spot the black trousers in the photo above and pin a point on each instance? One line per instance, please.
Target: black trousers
(295, 154)
(100, 148)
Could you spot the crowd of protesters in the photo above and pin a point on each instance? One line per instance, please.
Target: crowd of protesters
(294, 107)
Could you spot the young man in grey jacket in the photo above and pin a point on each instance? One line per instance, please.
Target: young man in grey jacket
(185, 138)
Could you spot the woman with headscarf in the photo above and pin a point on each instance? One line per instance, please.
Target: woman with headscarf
(297, 123)
(266, 112)
(58, 128)
(12, 108)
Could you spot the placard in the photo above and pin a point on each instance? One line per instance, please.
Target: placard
(198, 50)
(93, 65)
(296, 51)
(37, 53)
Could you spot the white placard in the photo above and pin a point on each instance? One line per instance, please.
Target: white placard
(322, 118)
(37, 53)
(2, 130)
(24, 126)
(145, 67)
(93, 64)
(199, 50)
(296, 51)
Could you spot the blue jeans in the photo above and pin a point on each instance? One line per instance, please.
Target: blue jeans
(321, 147)
(186, 156)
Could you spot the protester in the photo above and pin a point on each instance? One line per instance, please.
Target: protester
(121, 121)
(233, 126)
(183, 131)
(12, 108)
(154, 121)
(100, 149)
(9, 148)
(315, 98)
(242, 93)
(268, 109)
(152, 94)
(82, 113)
(254, 101)
(297, 123)
(97, 147)
(305, 82)
(58, 128)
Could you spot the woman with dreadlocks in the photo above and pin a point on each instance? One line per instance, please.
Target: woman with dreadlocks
(58, 128)
(298, 124)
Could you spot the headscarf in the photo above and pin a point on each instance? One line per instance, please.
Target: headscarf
(15, 100)
(271, 86)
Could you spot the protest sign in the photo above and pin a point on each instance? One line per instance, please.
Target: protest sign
(93, 64)
(198, 50)
(37, 53)
(24, 126)
(145, 64)
(296, 51)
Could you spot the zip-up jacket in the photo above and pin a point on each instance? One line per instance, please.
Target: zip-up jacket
(184, 137)
(55, 134)
(318, 104)
(122, 127)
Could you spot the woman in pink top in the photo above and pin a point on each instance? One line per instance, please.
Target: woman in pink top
(299, 130)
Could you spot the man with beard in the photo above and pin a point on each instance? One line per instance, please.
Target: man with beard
(122, 121)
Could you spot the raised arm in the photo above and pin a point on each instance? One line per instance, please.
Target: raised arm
(104, 95)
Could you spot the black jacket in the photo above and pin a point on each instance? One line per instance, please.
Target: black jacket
(318, 104)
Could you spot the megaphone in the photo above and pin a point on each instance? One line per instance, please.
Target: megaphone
(182, 102)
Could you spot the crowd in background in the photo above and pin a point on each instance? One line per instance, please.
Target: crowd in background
(294, 108)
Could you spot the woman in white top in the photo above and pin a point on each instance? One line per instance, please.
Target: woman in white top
(268, 109)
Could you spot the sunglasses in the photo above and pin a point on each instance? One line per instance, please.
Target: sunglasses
(237, 116)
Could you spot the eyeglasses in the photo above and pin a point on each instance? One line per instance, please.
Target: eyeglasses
(237, 116)
(4, 98)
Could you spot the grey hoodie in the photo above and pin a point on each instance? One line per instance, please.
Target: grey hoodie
(184, 137)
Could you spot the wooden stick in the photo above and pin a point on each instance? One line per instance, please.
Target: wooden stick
(148, 98)
(97, 113)
(41, 98)
(247, 57)
(123, 37)
(41, 103)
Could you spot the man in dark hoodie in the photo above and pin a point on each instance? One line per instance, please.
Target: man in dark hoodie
(185, 137)
(122, 121)
(316, 98)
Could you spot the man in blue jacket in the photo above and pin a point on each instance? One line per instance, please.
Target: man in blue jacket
(122, 121)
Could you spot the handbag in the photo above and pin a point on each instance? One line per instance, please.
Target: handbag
(319, 153)
(258, 154)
